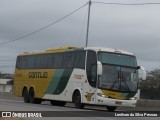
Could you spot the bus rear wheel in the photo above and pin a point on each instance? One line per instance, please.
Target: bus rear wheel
(25, 95)
(111, 108)
(77, 100)
(32, 97)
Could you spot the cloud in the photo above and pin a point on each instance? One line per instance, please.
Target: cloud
(132, 28)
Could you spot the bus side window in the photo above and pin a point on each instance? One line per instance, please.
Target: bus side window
(18, 62)
(57, 60)
(79, 60)
(31, 62)
(24, 61)
(68, 60)
(91, 68)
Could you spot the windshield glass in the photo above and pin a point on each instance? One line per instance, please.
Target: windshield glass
(118, 75)
(118, 59)
(119, 79)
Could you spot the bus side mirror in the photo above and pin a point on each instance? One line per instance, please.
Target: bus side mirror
(142, 73)
(99, 68)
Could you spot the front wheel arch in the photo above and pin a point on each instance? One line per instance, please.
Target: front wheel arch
(77, 99)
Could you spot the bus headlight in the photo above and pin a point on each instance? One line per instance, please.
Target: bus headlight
(133, 98)
(102, 95)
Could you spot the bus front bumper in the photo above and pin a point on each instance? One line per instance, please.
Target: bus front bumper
(116, 102)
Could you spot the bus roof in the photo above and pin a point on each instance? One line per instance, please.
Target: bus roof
(72, 48)
(52, 50)
(114, 50)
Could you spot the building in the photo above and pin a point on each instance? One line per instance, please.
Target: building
(6, 85)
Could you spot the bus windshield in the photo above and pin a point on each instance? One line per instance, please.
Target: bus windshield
(119, 72)
(117, 59)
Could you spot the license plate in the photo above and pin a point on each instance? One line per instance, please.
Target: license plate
(118, 103)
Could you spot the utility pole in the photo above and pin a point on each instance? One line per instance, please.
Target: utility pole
(89, 6)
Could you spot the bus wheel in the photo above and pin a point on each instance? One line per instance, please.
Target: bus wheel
(25, 95)
(77, 100)
(57, 103)
(32, 97)
(111, 108)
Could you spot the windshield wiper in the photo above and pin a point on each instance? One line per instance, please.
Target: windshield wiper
(121, 78)
(115, 82)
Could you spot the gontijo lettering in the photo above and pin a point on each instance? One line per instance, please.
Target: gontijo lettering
(38, 75)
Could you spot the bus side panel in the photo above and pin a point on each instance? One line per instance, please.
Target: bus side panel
(67, 80)
(20, 82)
(78, 81)
(30, 79)
(58, 85)
(75, 80)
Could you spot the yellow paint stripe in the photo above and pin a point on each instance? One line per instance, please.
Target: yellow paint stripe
(112, 94)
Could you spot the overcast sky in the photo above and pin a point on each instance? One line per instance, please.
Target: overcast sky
(132, 28)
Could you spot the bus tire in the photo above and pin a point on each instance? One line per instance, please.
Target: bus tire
(57, 103)
(77, 100)
(25, 95)
(111, 108)
(32, 97)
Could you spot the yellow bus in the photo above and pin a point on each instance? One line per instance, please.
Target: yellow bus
(91, 75)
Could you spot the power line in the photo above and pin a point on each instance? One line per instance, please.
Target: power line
(36, 31)
(136, 4)
(29, 34)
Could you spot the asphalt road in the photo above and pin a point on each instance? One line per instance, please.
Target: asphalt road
(68, 111)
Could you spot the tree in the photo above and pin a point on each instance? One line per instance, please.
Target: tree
(152, 82)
